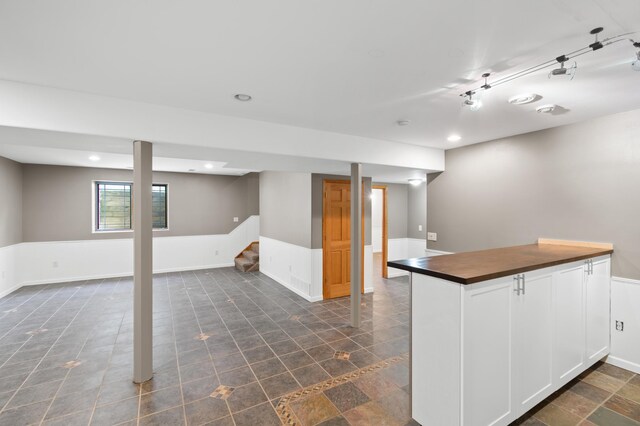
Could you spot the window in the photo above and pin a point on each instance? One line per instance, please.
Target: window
(114, 201)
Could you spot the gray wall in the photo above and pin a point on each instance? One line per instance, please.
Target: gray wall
(285, 207)
(397, 204)
(417, 211)
(316, 207)
(577, 182)
(57, 202)
(10, 202)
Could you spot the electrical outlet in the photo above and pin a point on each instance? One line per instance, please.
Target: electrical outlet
(290, 268)
(619, 325)
(419, 227)
(55, 264)
(235, 219)
(216, 252)
(432, 236)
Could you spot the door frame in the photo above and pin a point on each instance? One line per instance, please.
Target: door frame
(324, 234)
(385, 229)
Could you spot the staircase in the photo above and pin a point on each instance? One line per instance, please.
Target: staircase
(249, 259)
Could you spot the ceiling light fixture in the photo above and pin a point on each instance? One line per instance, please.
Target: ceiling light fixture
(94, 158)
(454, 138)
(403, 122)
(242, 97)
(415, 182)
(562, 71)
(596, 45)
(546, 109)
(524, 98)
(636, 64)
(473, 104)
(208, 166)
(192, 170)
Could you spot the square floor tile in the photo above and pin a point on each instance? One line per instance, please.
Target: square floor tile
(279, 385)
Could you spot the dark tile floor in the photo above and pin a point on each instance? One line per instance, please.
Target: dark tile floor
(227, 347)
(235, 349)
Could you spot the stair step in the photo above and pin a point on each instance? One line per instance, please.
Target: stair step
(255, 247)
(243, 264)
(251, 255)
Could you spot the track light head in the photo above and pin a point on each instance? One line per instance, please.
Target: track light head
(636, 64)
(596, 45)
(472, 104)
(562, 71)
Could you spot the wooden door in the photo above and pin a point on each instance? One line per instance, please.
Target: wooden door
(336, 245)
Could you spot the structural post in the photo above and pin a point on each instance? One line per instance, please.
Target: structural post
(142, 262)
(356, 242)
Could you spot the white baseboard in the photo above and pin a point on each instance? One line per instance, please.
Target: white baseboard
(120, 275)
(394, 273)
(627, 365)
(10, 290)
(431, 252)
(291, 288)
(37, 263)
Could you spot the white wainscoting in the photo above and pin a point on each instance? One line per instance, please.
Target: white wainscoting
(407, 248)
(64, 261)
(300, 268)
(625, 345)
(9, 280)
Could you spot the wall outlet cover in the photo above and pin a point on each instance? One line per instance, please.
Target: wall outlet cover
(419, 227)
(432, 236)
(235, 219)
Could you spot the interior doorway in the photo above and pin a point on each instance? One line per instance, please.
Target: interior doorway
(379, 231)
(336, 239)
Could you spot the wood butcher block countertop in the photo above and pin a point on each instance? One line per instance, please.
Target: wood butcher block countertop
(475, 266)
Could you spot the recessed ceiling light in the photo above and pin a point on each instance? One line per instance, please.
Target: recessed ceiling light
(524, 98)
(94, 158)
(403, 122)
(242, 97)
(454, 138)
(209, 166)
(415, 182)
(192, 170)
(546, 109)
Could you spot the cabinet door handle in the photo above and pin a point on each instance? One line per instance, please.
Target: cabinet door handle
(591, 265)
(523, 284)
(517, 289)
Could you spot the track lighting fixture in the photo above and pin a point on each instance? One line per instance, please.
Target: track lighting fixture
(636, 64)
(473, 104)
(563, 70)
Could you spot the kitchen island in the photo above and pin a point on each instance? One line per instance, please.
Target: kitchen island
(494, 332)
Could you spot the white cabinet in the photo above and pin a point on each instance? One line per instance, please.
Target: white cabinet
(507, 347)
(533, 340)
(597, 293)
(486, 353)
(569, 320)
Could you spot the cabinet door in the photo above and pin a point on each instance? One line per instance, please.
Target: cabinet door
(486, 350)
(533, 338)
(569, 323)
(597, 292)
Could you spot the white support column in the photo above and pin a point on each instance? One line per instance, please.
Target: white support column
(142, 262)
(356, 242)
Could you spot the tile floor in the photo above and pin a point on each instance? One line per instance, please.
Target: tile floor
(235, 349)
(227, 347)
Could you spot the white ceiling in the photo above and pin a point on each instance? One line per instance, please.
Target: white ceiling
(352, 67)
(31, 146)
